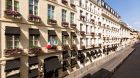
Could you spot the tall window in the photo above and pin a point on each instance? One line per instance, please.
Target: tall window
(86, 4)
(64, 15)
(81, 12)
(50, 12)
(90, 7)
(80, 2)
(12, 5)
(72, 18)
(86, 16)
(81, 25)
(33, 7)
(64, 40)
(12, 41)
(81, 42)
(90, 29)
(33, 40)
(86, 29)
(86, 42)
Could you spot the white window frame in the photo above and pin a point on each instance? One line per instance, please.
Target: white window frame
(51, 9)
(64, 12)
(33, 40)
(33, 9)
(13, 41)
(13, 5)
(72, 18)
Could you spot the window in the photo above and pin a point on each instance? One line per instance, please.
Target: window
(50, 12)
(86, 5)
(81, 42)
(90, 6)
(12, 41)
(52, 40)
(12, 5)
(64, 15)
(86, 16)
(81, 25)
(80, 3)
(86, 42)
(64, 40)
(33, 7)
(73, 41)
(90, 29)
(86, 29)
(90, 17)
(33, 40)
(72, 18)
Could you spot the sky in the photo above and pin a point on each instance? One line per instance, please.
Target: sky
(129, 10)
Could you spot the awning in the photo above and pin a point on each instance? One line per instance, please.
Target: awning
(104, 50)
(33, 73)
(82, 56)
(34, 32)
(73, 34)
(52, 64)
(100, 51)
(73, 61)
(12, 64)
(12, 31)
(96, 52)
(52, 33)
(73, 53)
(66, 64)
(33, 60)
(65, 54)
(92, 53)
(88, 54)
(65, 33)
(14, 76)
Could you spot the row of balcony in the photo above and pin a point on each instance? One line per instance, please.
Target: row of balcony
(36, 19)
(92, 34)
(38, 50)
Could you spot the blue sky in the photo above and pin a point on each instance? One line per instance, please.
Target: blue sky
(129, 10)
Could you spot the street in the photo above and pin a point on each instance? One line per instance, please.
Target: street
(130, 68)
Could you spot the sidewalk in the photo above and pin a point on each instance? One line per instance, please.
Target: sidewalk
(112, 61)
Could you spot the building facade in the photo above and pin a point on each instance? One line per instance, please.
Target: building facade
(54, 38)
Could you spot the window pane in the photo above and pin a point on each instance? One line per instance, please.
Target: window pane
(36, 2)
(9, 43)
(72, 18)
(64, 15)
(16, 41)
(52, 40)
(50, 11)
(63, 40)
(9, 4)
(35, 40)
(16, 5)
(16, 44)
(31, 9)
(35, 10)
(30, 41)
(30, 2)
